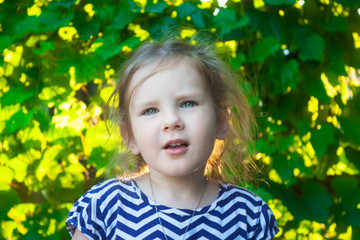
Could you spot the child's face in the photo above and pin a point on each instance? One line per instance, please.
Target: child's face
(173, 119)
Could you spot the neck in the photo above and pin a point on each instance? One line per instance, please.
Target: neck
(179, 192)
(189, 184)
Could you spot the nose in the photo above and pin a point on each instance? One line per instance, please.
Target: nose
(172, 121)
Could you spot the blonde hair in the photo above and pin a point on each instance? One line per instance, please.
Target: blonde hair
(230, 159)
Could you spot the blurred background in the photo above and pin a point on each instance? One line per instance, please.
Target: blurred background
(58, 65)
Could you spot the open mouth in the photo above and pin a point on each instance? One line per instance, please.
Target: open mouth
(177, 144)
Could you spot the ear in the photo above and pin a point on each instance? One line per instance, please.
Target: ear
(222, 128)
(129, 141)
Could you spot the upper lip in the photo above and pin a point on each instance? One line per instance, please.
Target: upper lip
(175, 141)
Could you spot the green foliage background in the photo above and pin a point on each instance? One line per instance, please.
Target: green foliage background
(59, 59)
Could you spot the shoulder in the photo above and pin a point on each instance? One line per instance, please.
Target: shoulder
(101, 201)
(251, 209)
(239, 194)
(108, 187)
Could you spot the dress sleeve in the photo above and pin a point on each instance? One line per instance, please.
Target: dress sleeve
(86, 217)
(267, 227)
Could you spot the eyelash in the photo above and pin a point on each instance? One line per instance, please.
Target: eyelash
(147, 111)
(182, 105)
(193, 104)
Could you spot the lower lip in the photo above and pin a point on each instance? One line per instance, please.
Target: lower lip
(176, 151)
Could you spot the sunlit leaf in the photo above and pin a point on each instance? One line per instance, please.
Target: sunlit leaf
(98, 136)
(6, 176)
(20, 168)
(48, 165)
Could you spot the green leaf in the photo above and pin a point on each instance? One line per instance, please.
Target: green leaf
(285, 142)
(131, 42)
(239, 60)
(197, 15)
(353, 218)
(284, 168)
(159, 7)
(268, 24)
(86, 28)
(198, 18)
(264, 49)
(345, 185)
(316, 88)
(303, 127)
(8, 199)
(351, 129)
(186, 9)
(289, 75)
(18, 121)
(265, 147)
(280, 2)
(106, 47)
(313, 48)
(16, 95)
(320, 139)
(353, 156)
(122, 19)
(5, 41)
(336, 24)
(64, 3)
(312, 202)
(87, 67)
(98, 157)
(317, 200)
(44, 46)
(298, 162)
(58, 19)
(348, 3)
(226, 20)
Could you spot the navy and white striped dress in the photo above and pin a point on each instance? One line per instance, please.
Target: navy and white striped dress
(119, 210)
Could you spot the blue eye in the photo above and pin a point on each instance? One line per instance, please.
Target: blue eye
(150, 111)
(188, 104)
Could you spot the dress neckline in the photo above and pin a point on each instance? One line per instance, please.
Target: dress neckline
(178, 211)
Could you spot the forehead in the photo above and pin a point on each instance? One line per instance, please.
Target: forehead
(173, 69)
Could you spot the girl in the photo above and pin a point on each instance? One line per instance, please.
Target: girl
(186, 125)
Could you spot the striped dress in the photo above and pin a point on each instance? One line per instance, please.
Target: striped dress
(120, 210)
